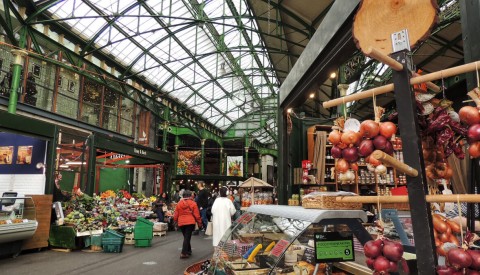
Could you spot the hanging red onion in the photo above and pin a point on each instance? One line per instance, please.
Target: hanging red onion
(388, 148)
(474, 133)
(350, 154)
(393, 267)
(393, 251)
(458, 258)
(366, 148)
(445, 270)
(336, 152)
(387, 129)
(475, 254)
(373, 248)
(369, 128)
(379, 142)
(469, 115)
(474, 149)
(370, 262)
(381, 264)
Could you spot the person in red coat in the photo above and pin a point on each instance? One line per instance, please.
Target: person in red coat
(186, 215)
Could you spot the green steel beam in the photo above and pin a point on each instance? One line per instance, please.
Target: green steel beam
(180, 43)
(110, 22)
(297, 18)
(7, 23)
(41, 9)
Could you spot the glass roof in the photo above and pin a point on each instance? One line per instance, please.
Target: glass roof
(204, 55)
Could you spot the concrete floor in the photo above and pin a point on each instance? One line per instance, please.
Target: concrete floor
(161, 258)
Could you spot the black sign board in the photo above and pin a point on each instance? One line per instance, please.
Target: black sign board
(309, 256)
(333, 247)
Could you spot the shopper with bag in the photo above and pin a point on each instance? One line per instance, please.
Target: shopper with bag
(186, 216)
(222, 212)
(160, 206)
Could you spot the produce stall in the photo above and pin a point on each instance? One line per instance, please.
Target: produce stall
(84, 217)
(256, 191)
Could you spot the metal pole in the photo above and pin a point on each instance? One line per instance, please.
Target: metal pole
(412, 149)
(202, 163)
(15, 83)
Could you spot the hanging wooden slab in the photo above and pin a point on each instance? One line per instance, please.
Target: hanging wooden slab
(375, 22)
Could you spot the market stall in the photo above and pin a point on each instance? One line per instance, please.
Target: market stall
(256, 192)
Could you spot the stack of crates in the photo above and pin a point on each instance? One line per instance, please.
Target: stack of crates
(94, 242)
(143, 232)
(112, 241)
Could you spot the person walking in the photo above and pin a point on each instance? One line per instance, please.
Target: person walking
(160, 204)
(186, 215)
(222, 211)
(202, 202)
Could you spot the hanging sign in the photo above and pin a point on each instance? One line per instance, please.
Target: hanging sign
(333, 247)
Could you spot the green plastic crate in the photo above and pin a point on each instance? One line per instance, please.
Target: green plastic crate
(143, 242)
(93, 240)
(112, 245)
(112, 234)
(143, 229)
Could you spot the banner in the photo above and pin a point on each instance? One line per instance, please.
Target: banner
(189, 162)
(235, 166)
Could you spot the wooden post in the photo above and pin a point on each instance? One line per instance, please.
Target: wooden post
(412, 150)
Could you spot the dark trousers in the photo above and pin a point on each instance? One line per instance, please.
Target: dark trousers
(160, 216)
(203, 214)
(187, 235)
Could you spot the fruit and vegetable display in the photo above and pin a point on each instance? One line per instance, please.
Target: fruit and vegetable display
(110, 209)
(471, 117)
(384, 256)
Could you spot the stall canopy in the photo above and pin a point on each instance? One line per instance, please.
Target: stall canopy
(254, 182)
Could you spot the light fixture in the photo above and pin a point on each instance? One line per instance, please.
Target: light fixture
(63, 166)
(127, 161)
(312, 95)
(289, 110)
(222, 71)
(40, 165)
(333, 75)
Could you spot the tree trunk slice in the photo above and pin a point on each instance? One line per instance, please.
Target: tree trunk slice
(375, 22)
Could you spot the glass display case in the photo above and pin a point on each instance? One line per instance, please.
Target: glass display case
(277, 239)
(17, 218)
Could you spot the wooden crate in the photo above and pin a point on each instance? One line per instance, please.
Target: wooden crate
(43, 206)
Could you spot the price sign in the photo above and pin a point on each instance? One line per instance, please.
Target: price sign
(333, 247)
(279, 248)
(309, 256)
(245, 218)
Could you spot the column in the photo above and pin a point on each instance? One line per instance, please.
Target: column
(260, 166)
(220, 161)
(202, 163)
(175, 159)
(165, 134)
(342, 88)
(19, 56)
(245, 171)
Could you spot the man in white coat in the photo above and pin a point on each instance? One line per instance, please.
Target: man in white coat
(222, 211)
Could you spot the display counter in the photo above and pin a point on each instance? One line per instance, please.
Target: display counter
(278, 239)
(17, 223)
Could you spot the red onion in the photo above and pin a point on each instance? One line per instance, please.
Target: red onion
(458, 258)
(393, 267)
(373, 248)
(472, 272)
(388, 148)
(350, 154)
(445, 270)
(379, 142)
(336, 152)
(393, 251)
(369, 128)
(381, 264)
(365, 148)
(474, 149)
(474, 132)
(370, 262)
(475, 254)
(469, 115)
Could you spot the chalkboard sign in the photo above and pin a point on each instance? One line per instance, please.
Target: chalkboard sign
(309, 256)
(333, 247)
